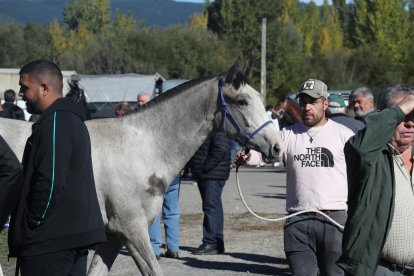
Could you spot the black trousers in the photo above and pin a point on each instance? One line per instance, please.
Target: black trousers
(67, 262)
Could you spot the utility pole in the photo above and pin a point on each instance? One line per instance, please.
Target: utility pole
(263, 66)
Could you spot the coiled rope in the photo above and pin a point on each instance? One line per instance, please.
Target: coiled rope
(341, 227)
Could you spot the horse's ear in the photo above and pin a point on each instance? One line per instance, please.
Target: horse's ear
(248, 65)
(232, 72)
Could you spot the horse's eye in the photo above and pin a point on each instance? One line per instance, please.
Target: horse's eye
(242, 102)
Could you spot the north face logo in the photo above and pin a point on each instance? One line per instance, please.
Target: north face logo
(308, 85)
(315, 157)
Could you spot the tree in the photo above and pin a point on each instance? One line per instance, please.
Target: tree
(94, 14)
(390, 24)
(199, 20)
(309, 26)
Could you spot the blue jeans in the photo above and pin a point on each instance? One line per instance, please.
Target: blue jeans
(213, 223)
(171, 218)
(313, 245)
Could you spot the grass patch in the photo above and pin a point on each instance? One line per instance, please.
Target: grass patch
(8, 266)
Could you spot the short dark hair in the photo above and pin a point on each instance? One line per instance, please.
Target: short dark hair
(9, 95)
(391, 92)
(41, 69)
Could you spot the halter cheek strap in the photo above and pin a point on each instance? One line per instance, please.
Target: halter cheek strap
(247, 136)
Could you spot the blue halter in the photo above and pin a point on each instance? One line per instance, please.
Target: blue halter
(248, 136)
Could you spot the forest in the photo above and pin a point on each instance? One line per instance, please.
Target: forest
(347, 45)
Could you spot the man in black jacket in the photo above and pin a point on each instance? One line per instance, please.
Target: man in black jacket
(211, 167)
(58, 217)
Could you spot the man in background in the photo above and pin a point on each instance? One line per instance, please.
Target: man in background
(142, 99)
(337, 111)
(363, 102)
(9, 104)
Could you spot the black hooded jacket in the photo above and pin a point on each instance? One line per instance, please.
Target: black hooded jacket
(212, 159)
(58, 207)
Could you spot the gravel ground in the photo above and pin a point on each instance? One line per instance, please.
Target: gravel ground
(253, 246)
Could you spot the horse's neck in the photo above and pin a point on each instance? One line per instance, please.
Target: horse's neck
(179, 125)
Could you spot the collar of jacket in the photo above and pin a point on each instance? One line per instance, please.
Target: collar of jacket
(62, 104)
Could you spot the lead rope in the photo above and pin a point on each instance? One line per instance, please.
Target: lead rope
(341, 227)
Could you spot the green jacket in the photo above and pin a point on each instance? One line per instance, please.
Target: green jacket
(370, 192)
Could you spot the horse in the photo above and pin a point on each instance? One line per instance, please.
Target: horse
(135, 157)
(287, 111)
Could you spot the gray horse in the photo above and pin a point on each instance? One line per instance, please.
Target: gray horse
(135, 157)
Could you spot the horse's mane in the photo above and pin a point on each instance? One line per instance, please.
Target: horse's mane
(172, 92)
(240, 79)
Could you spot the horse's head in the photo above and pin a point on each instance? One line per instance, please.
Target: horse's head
(278, 110)
(287, 111)
(243, 115)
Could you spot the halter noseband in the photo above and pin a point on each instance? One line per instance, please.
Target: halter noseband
(247, 136)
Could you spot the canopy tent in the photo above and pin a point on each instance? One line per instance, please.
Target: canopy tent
(104, 92)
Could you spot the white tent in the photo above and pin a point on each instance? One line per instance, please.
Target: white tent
(117, 88)
(104, 92)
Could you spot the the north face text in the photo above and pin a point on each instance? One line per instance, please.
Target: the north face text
(315, 157)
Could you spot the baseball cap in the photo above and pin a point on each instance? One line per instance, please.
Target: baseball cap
(336, 101)
(314, 88)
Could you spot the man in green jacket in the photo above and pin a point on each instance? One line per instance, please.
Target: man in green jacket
(378, 237)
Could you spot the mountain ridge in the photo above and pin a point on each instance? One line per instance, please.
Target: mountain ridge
(154, 12)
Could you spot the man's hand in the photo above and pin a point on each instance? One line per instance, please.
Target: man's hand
(407, 104)
(242, 158)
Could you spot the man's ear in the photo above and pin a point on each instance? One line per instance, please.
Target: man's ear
(45, 89)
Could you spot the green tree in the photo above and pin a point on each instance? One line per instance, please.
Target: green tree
(309, 26)
(330, 36)
(12, 46)
(94, 14)
(391, 28)
(362, 32)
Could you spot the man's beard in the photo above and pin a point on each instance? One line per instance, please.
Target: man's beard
(31, 108)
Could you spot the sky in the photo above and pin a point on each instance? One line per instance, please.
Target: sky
(318, 2)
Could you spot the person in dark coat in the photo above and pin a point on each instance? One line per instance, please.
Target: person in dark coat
(58, 216)
(211, 167)
(5, 113)
(11, 175)
(337, 111)
(9, 100)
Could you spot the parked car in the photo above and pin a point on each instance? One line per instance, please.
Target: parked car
(344, 93)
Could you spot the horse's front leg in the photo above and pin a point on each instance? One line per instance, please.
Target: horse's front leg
(105, 255)
(139, 245)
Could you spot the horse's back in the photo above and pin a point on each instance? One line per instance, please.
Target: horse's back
(15, 132)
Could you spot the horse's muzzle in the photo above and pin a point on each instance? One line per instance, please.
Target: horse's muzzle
(273, 154)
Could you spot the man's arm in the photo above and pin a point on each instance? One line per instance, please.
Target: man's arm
(11, 177)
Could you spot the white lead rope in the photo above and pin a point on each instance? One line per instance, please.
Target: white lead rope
(341, 227)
